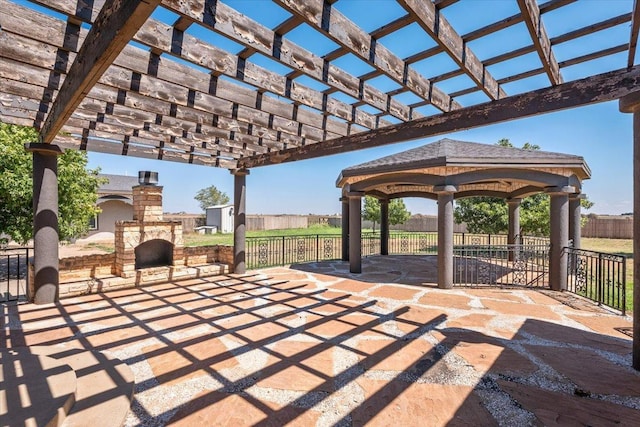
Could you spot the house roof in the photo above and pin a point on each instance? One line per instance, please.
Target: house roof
(117, 184)
(449, 152)
(228, 85)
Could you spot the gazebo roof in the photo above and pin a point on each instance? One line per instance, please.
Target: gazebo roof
(472, 168)
(449, 152)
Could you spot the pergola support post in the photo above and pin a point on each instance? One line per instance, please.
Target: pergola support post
(46, 278)
(239, 220)
(575, 220)
(384, 227)
(345, 228)
(513, 234)
(355, 231)
(445, 235)
(631, 104)
(559, 222)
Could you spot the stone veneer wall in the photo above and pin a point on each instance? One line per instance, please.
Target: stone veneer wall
(147, 203)
(96, 273)
(82, 267)
(200, 255)
(103, 265)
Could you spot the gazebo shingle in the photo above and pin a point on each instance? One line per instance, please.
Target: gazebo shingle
(449, 152)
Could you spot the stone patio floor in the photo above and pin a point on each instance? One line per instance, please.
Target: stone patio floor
(315, 345)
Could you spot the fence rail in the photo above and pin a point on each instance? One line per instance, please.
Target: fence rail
(14, 277)
(501, 265)
(598, 276)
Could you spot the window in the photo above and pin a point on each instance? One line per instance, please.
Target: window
(93, 223)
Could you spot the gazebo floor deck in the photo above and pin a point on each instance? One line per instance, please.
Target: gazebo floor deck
(315, 345)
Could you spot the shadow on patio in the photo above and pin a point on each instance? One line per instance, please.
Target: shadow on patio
(283, 346)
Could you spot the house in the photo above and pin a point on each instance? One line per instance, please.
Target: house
(115, 199)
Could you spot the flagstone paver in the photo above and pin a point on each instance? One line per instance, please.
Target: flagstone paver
(283, 347)
(447, 300)
(211, 408)
(610, 325)
(562, 409)
(394, 292)
(605, 377)
(396, 403)
(351, 286)
(520, 309)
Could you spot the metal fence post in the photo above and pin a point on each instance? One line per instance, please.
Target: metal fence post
(624, 287)
(283, 251)
(599, 280)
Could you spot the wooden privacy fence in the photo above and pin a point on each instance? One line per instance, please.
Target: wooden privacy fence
(603, 226)
(609, 227)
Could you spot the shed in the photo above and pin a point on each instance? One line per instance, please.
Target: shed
(220, 216)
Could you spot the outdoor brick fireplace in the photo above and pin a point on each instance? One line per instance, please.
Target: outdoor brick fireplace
(147, 241)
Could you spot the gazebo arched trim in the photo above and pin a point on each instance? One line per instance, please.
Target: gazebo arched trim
(412, 178)
(536, 179)
(521, 175)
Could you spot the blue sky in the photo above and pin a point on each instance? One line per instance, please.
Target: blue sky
(599, 133)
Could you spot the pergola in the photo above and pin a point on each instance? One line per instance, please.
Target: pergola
(157, 79)
(448, 169)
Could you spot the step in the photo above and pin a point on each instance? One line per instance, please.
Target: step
(35, 390)
(105, 386)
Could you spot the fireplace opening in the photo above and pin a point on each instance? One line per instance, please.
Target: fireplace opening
(154, 253)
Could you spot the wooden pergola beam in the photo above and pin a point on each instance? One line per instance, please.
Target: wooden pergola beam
(114, 27)
(594, 89)
(437, 26)
(633, 35)
(330, 22)
(250, 33)
(531, 15)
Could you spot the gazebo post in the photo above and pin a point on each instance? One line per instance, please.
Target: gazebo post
(345, 228)
(575, 219)
(355, 231)
(559, 219)
(384, 227)
(631, 104)
(445, 234)
(513, 234)
(239, 220)
(46, 278)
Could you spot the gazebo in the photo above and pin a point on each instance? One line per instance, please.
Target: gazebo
(446, 170)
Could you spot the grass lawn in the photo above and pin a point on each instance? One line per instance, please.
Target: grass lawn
(618, 247)
(193, 239)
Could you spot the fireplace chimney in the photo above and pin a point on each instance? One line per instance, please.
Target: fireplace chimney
(147, 198)
(147, 178)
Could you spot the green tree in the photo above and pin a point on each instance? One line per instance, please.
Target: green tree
(77, 187)
(398, 213)
(491, 214)
(211, 196)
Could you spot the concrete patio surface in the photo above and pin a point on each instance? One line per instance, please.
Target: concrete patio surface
(315, 345)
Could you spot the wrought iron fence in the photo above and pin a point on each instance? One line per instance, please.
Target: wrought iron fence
(284, 250)
(501, 265)
(14, 277)
(598, 276)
